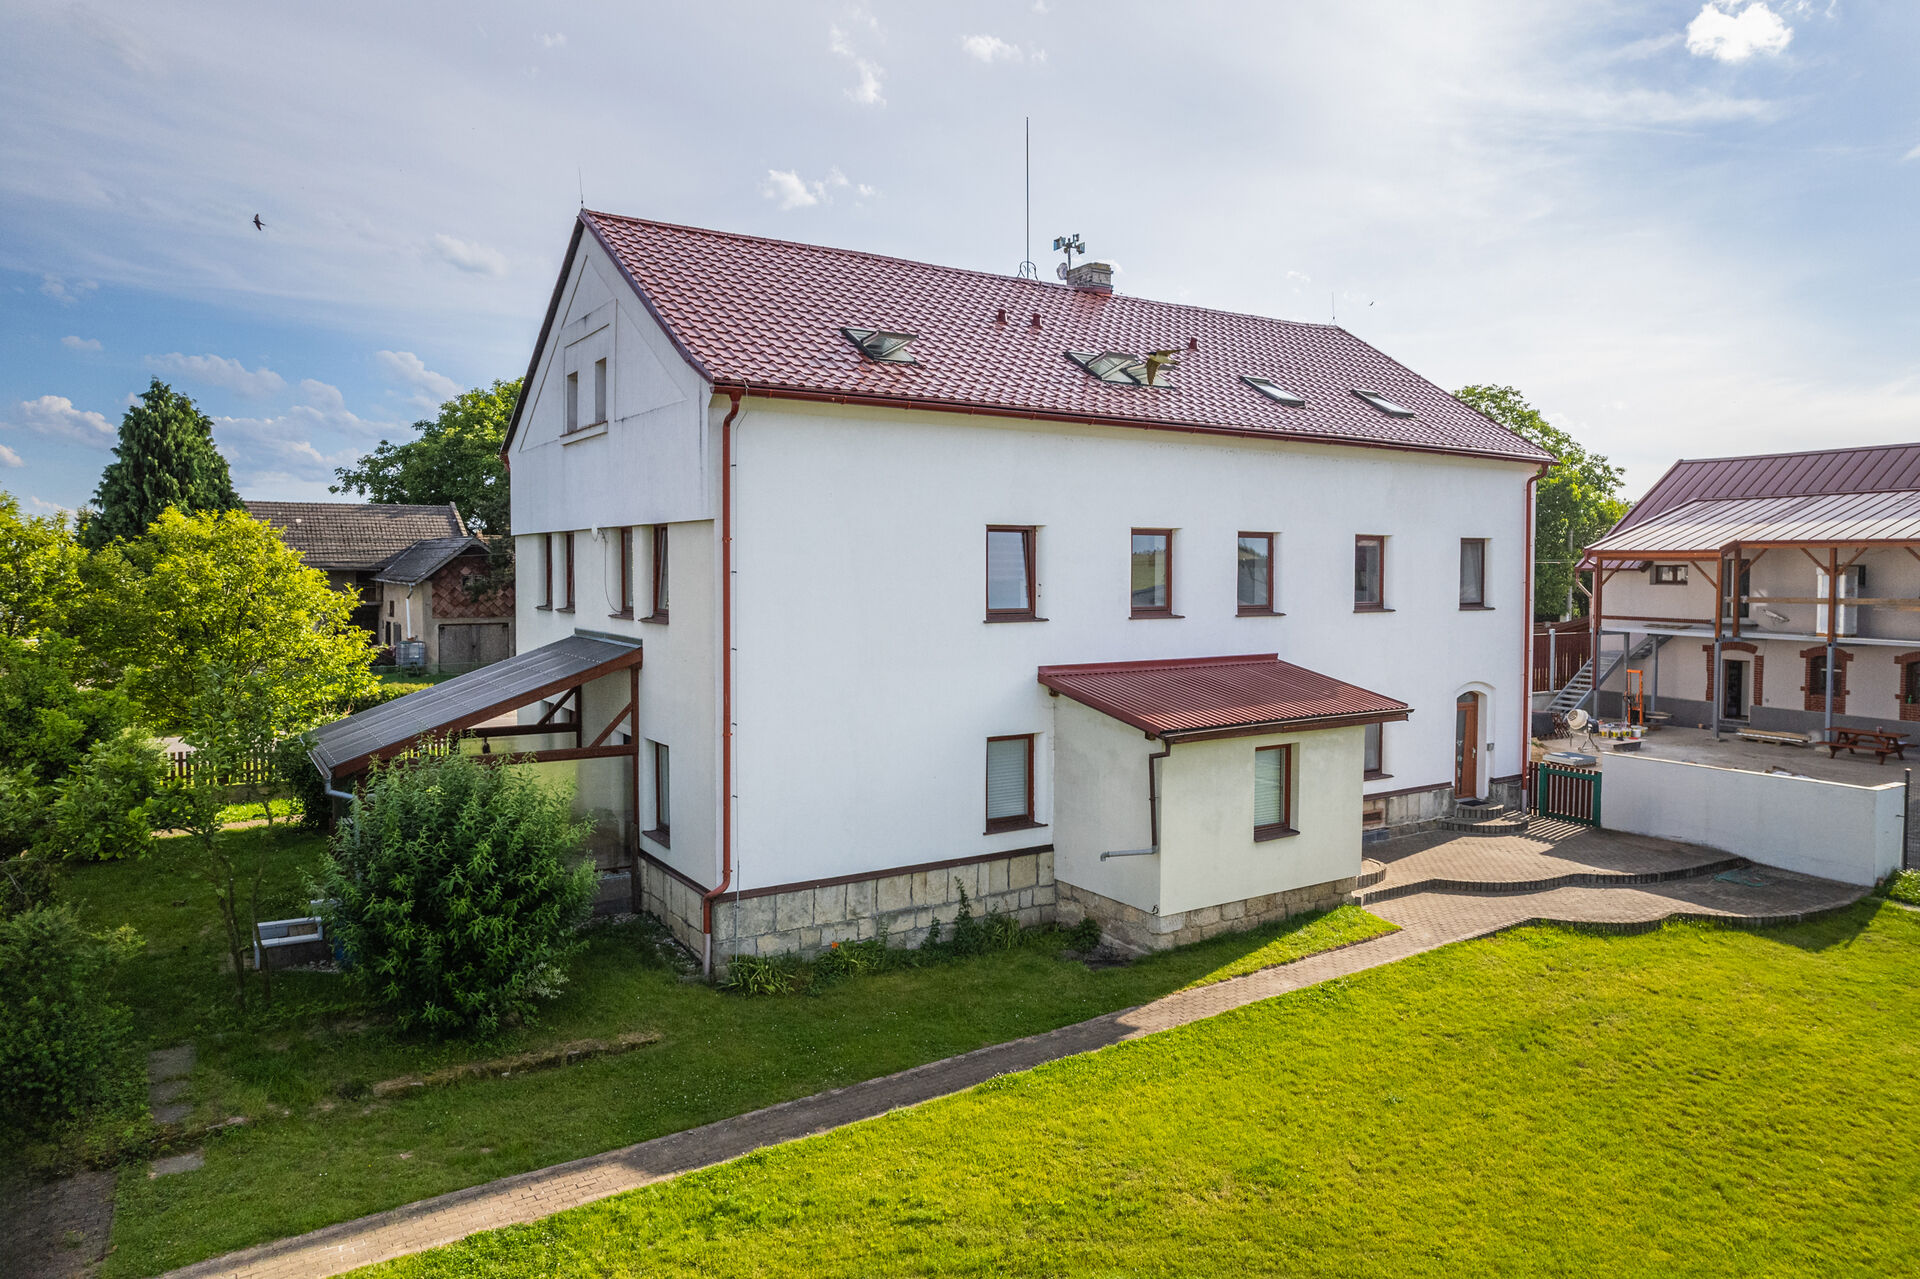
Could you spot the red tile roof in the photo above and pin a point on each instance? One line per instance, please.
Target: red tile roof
(1220, 696)
(1882, 468)
(361, 536)
(767, 314)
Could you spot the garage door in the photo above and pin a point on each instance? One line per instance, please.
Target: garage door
(473, 643)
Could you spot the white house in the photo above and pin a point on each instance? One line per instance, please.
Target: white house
(941, 579)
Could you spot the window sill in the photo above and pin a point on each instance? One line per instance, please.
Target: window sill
(1261, 834)
(1012, 617)
(1001, 825)
(1371, 608)
(543, 608)
(625, 615)
(660, 837)
(1156, 617)
(1476, 608)
(567, 609)
(659, 619)
(1258, 612)
(591, 431)
(1375, 775)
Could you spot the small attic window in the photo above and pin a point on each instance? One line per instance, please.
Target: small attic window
(883, 345)
(1382, 403)
(1275, 392)
(1122, 368)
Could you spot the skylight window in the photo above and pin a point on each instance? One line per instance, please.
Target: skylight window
(1275, 392)
(1125, 369)
(883, 345)
(1382, 403)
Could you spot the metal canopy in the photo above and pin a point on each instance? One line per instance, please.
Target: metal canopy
(1704, 528)
(346, 746)
(1205, 697)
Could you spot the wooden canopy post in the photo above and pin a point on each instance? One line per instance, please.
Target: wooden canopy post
(1833, 628)
(1716, 676)
(1599, 582)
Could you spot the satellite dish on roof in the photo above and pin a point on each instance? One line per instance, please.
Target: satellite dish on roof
(1577, 719)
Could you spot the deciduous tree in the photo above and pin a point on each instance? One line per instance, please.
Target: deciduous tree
(455, 458)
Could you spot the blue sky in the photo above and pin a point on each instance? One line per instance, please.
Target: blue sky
(1681, 228)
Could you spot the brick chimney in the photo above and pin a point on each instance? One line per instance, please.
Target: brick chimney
(1094, 277)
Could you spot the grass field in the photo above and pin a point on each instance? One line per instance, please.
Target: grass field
(316, 1148)
(1541, 1102)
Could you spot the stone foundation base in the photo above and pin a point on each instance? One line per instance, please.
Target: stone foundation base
(1138, 932)
(671, 900)
(1411, 813)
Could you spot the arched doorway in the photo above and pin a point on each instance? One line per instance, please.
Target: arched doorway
(1466, 746)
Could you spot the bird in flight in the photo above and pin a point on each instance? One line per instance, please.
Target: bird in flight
(258, 225)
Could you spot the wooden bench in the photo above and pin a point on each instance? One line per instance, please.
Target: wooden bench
(1772, 738)
(1876, 740)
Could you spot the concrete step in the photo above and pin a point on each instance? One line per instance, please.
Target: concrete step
(1505, 824)
(1583, 879)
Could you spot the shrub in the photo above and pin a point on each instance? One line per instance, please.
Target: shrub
(26, 883)
(23, 810)
(295, 771)
(761, 974)
(1085, 935)
(64, 1045)
(380, 694)
(1902, 886)
(104, 808)
(455, 893)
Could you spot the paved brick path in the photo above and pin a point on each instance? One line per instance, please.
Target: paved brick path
(1427, 920)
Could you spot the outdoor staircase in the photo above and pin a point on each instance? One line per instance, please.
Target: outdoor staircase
(1575, 690)
(1485, 819)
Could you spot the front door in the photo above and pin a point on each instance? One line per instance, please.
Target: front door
(1733, 686)
(1466, 747)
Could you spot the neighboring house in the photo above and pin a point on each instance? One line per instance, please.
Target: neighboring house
(882, 575)
(1737, 584)
(409, 566)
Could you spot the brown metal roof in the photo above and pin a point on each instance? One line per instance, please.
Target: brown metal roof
(423, 559)
(357, 536)
(1220, 696)
(1882, 468)
(466, 700)
(1703, 528)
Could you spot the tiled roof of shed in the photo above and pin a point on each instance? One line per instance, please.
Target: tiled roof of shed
(1219, 695)
(768, 314)
(358, 536)
(1880, 468)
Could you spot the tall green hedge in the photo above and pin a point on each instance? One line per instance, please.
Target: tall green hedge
(64, 1045)
(456, 889)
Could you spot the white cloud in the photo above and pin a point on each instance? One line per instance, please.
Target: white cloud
(789, 190)
(554, 41)
(61, 290)
(45, 507)
(55, 415)
(867, 92)
(218, 370)
(73, 343)
(323, 396)
(431, 389)
(273, 452)
(469, 256)
(991, 49)
(1718, 31)
(1912, 155)
(9, 458)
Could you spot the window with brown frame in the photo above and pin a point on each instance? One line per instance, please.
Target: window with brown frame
(599, 390)
(1152, 572)
(1473, 572)
(566, 541)
(659, 539)
(1369, 573)
(573, 402)
(1669, 575)
(626, 573)
(1010, 575)
(1372, 754)
(546, 570)
(1272, 792)
(1910, 684)
(662, 832)
(1254, 589)
(1010, 783)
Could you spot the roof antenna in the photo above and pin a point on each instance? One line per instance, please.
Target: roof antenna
(1333, 312)
(580, 173)
(1027, 270)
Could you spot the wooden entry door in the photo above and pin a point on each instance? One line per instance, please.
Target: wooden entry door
(1733, 685)
(1466, 747)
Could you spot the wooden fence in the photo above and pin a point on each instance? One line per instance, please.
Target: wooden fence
(258, 768)
(1560, 649)
(1570, 794)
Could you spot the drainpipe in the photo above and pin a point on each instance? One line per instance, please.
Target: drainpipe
(1526, 648)
(1153, 806)
(726, 684)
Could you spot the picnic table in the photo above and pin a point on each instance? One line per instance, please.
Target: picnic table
(1877, 740)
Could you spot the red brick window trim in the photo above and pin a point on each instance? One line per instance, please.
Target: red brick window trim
(1909, 664)
(1814, 685)
(1759, 669)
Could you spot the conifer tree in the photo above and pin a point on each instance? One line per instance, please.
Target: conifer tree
(165, 458)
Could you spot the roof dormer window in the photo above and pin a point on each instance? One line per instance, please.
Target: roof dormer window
(1381, 402)
(1275, 392)
(883, 345)
(1122, 368)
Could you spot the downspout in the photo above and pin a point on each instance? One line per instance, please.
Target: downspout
(726, 684)
(1526, 650)
(1153, 806)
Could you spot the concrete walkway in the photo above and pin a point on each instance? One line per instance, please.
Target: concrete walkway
(1427, 920)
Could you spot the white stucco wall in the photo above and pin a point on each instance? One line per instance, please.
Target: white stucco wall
(868, 681)
(1100, 805)
(1830, 829)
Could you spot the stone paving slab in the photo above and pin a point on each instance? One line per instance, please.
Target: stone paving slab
(1549, 854)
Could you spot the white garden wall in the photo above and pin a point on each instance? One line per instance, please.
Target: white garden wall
(1830, 829)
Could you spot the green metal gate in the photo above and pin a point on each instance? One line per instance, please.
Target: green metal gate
(1570, 794)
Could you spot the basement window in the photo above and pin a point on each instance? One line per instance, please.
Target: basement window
(1275, 392)
(883, 345)
(1381, 402)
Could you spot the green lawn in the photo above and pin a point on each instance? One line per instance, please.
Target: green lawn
(317, 1149)
(1690, 1101)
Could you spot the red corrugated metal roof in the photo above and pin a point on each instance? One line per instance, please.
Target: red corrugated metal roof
(1255, 692)
(768, 314)
(1699, 528)
(1881, 468)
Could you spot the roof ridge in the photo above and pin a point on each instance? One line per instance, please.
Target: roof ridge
(1756, 457)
